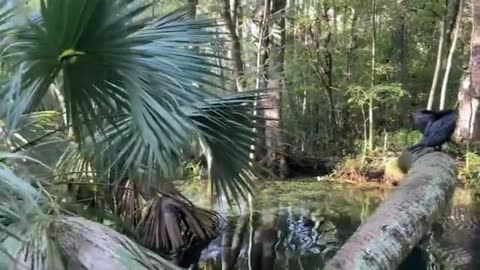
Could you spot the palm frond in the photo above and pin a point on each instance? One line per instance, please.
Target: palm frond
(170, 223)
(129, 202)
(112, 61)
(6, 16)
(33, 128)
(226, 126)
(136, 88)
(90, 245)
(32, 239)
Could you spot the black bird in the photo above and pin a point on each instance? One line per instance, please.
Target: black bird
(422, 118)
(438, 131)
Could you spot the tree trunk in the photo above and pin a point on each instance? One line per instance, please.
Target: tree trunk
(475, 50)
(351, 47)
(400, 56)
(438, 65)
(275, 159)
(372, 80)
(230, 17)
(193, 8)
(259, 30)
(443, 95)
(400, 41)
(468, 126)
(403, 219)
(328, 67)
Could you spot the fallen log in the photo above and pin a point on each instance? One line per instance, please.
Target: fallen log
(403, 219)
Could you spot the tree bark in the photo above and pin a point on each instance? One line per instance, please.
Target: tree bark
(372, 79)
(403, 219)
(475, 49)
(468, 126)
(400, 41)
(193, 8)
(275, 159)
(443, 94)
(351, 47)
(230, 16)
(259, 29)
(438, 65)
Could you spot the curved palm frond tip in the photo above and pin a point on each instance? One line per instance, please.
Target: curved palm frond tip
(135, 89)
(32, 239)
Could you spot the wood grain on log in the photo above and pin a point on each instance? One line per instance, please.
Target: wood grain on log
(403, 219)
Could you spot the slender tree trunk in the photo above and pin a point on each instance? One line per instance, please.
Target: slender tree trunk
(400, 41)
(401, 221)
(438, 65)
(372, 79)
(259, 30)
(443, 94)
(328, 68)
(193, 8)
(351, 47)
(400, 56)
(275, 159)
(230, 16)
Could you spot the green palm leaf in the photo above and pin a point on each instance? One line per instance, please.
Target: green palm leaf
(136, 88)
(6, 16)
(31, 237)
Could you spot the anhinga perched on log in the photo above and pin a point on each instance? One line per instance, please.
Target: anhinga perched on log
(422, 118)
(437, 128)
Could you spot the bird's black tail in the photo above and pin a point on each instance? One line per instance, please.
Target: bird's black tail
(415, 148)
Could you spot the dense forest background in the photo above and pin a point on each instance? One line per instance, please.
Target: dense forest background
(351, 72)
(108, 103)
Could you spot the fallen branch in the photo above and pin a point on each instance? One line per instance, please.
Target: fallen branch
(402, 220)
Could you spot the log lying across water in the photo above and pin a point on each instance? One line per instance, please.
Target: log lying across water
(402, 220)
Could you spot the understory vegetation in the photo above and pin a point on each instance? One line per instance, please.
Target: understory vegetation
(111, 107)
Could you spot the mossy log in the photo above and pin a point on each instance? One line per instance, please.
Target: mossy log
(403, 219)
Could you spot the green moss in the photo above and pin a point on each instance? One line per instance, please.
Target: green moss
(393, 171)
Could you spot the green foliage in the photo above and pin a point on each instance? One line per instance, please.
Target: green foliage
(135, 89)
(403, 138)
(470, 172)
(384, 93)
(30, 222)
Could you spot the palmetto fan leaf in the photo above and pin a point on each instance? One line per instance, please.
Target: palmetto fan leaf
(226, 124)
(32, 239)
(6, 16)
(171, 222)
(135, 88)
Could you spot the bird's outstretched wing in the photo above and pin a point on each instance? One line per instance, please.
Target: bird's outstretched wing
(439, 131)
(423, 118)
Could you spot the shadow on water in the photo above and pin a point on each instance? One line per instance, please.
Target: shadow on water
(300, 225)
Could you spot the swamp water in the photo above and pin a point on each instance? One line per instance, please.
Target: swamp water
(301, 224)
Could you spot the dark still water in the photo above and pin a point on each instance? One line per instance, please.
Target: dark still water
(301, 224)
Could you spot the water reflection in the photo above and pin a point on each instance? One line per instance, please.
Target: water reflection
(288, 229)
(280, 239)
